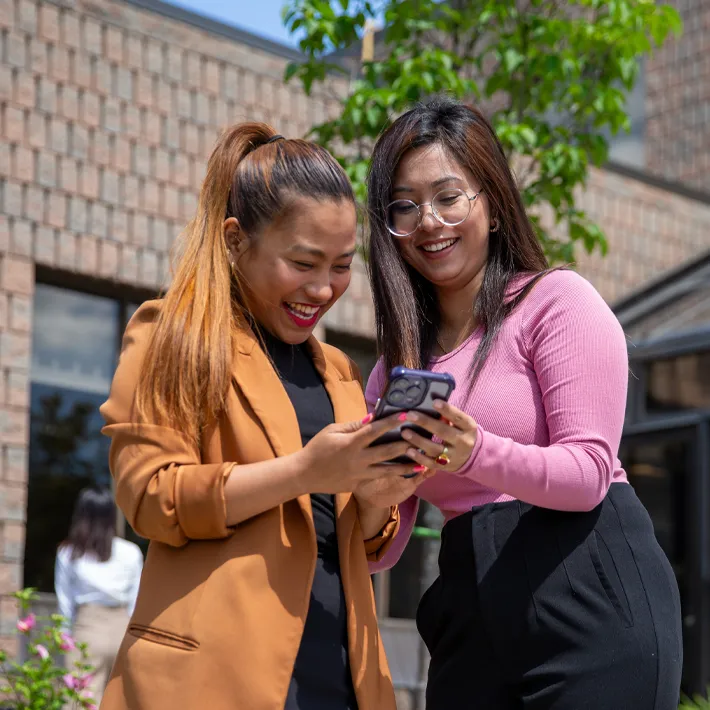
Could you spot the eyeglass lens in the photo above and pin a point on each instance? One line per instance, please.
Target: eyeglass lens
(449, 206)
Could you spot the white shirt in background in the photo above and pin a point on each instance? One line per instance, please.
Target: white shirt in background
(85, 580)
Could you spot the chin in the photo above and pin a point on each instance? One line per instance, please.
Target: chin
(295, 338)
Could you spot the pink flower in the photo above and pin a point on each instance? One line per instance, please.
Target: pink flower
(85, 680)
(67, 642)
(42, 652)
(77, 682)
(26, 624)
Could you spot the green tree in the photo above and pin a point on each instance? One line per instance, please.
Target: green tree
(552, 74)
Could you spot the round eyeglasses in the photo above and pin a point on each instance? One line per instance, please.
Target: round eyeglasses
(450, 207)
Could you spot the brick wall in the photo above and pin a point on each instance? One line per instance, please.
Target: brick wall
(650, 230)
(678, 101)
(107, 115)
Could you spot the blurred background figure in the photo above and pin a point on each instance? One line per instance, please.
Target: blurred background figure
(96, 581)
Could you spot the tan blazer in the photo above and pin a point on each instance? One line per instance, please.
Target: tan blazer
(221, 610)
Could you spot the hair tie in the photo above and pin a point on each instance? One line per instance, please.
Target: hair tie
(273, 139)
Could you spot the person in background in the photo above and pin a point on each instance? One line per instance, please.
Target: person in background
(240, 449)
(553, 591)
(96, 581)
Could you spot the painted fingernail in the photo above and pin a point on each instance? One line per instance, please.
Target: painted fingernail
(367, 419)
(419, 469)
(402, 417)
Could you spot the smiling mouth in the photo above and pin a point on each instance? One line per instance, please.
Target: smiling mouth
(433, 247)
(302, 314)
(303, 310)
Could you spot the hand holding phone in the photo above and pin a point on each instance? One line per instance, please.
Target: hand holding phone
(411, 390)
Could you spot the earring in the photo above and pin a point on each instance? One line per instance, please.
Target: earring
(494, 225)
(232, 265)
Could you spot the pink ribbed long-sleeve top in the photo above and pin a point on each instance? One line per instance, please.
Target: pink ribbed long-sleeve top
(549, 404)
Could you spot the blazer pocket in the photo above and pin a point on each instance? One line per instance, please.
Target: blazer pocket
(163, 638)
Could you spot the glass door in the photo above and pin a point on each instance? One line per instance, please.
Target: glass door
(663, 467)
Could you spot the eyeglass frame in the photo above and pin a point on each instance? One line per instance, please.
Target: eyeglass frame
(419, 206)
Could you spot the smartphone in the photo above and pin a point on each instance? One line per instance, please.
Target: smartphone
(411, 390)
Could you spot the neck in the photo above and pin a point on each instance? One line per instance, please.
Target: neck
(456, 306)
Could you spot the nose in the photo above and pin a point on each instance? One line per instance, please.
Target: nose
(428, 221)
(320, 291)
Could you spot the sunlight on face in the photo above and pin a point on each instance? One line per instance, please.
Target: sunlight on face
(297, 267)
(448, 256)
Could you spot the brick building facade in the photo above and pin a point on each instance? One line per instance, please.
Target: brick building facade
(108, 110)
(678, 101)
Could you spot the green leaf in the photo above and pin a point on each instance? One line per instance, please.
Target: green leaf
(558, 76)
(512, 59)
(290, 72)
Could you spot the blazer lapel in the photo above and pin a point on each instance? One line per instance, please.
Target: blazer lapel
(256, 378)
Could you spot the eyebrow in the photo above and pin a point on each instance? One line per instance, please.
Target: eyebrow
(436, 183)
(312, 251)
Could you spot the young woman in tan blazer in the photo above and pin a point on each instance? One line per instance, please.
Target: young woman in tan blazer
(240, 449)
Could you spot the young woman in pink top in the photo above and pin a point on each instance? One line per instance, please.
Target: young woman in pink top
(553, 592)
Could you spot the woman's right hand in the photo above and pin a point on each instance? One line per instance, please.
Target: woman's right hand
(338, 458)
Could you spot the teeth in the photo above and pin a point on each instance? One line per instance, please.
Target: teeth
(301, 309)
(438, 246)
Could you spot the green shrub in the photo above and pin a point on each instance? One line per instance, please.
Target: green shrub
(697, 702)
(43, 682)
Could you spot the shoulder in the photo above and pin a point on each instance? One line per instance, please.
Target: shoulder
(134, 347)
(563, 290)
(563, 301)
(139, 330)
(126, 550)
(143, 321)
(346, 366)
(64, 553)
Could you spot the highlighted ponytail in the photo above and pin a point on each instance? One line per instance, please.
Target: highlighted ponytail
(187, 370)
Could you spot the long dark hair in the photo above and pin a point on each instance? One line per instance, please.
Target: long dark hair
(93, 524)
(254, 175)
(406, 306)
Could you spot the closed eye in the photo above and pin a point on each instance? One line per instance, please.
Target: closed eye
(342, 268)
(304, 265)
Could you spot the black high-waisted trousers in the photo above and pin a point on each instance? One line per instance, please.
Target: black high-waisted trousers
(538, 609)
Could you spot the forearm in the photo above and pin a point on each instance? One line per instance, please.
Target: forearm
(407, 517)
(252, 489)
(573, 475)
(372, 520)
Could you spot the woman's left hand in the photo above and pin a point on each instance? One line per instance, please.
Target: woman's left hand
(456, 432)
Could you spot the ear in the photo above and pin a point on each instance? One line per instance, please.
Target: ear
(235, 238)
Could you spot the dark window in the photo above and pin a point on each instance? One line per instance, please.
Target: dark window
(76, 339)
(678, 384)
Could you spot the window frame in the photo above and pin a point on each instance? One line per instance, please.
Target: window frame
(641, 356)
(124, 294)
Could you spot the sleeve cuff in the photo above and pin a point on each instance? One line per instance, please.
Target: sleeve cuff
(466, 469)
(376, 547)
(200, 503)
